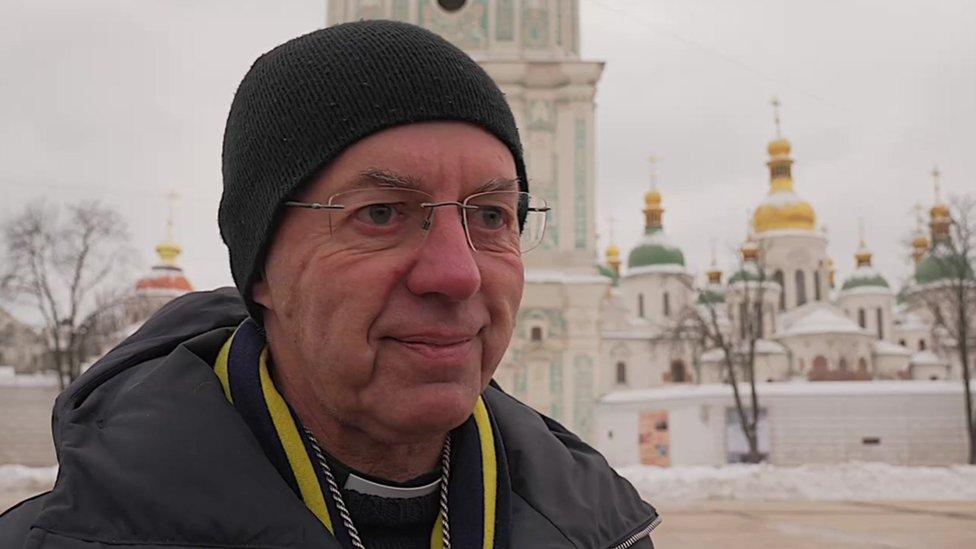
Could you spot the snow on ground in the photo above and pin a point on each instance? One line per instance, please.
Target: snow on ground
(20, 478)
(833, 482)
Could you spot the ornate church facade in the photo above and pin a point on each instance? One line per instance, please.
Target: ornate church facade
(588, 328)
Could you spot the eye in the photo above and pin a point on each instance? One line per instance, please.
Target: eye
(491, 217)
(377, 214)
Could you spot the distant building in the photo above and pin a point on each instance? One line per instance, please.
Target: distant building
(164, 282)
(21, 347)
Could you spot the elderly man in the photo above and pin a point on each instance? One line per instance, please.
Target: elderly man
(375, 208)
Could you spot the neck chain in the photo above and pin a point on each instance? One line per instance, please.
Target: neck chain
(341, 505)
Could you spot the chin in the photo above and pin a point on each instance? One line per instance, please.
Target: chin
(433, 409)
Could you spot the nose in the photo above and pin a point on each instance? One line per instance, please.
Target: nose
(445, 263)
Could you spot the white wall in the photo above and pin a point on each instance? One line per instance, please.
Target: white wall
(915, 422)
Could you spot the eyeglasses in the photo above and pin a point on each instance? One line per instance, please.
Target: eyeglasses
(383, 218)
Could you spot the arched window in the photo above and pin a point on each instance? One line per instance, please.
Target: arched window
(921, 345)
(816, 285)
(880, 320)
(862, 364)
(536, 333)
(862, 320)
(801, 288)
(678, 373)
(843, 364)
(778, 277)
(640, 305)
(667, 304)
(621, 372)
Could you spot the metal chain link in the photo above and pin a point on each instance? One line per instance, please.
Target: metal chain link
(341, 505)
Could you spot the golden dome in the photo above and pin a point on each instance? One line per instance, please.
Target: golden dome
(920, 241)
(652, 197)
(613, 252)
(168, 252)
(779, 147)
(782, 208)
(939, 210)
(796, 215)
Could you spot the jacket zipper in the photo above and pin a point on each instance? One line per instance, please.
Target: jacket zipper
(644, 532)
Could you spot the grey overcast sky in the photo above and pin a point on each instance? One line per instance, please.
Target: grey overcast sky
(126, 100)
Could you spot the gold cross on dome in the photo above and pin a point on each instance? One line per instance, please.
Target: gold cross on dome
(776, 105)
(652, 159)
(935, 179)
(172, 197)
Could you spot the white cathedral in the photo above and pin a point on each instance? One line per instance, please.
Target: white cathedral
(588, 328)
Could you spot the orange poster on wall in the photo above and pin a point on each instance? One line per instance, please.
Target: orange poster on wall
(654, 444)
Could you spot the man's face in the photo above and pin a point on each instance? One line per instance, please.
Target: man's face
(397, 343)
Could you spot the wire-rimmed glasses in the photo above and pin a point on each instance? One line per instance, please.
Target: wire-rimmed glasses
(381, 218)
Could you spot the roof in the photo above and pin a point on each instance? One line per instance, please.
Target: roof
(763, 347)
(882, 347)
(864, 276)
(822, 320)
(910, 321)
(654, 248)
(926, 358)
(164, 278)
(940, 263)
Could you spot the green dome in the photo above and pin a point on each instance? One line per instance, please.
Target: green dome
(864, 277)
(710, 297)
(654, 249)
(743, 275)
(940, 264)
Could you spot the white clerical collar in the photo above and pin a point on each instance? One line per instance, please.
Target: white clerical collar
(370, 488)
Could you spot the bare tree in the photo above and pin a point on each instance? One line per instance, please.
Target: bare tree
(60, 265)
(948, 291)
(733, 325)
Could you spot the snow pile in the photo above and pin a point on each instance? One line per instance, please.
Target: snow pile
(834, 482)
(20, 478)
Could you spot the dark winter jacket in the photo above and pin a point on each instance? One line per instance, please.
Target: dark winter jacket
(153, 456)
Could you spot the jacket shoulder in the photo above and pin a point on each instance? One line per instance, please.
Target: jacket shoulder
(564, 480)
(16, 522)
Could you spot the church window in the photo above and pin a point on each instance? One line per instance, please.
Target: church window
(880, 320)
(843, 364)
(678, 374)
(801, 288)
(536, 333)
(778, 277)
(451, 5)
(862, 364)
(862, 319)
(667, 304)
(921, 345)
(903, 343)
(640, 305)
(621, 372)
(816, 285)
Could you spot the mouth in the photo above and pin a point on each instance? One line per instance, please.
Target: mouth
(438, 349)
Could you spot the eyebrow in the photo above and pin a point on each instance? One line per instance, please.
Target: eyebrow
(498, 184)
(371, 176)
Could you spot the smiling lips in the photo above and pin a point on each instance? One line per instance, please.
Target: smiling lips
(444, 349)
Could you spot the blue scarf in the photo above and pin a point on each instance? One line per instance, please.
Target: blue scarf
(479, 492)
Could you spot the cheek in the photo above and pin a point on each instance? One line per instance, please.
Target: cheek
(502, 282)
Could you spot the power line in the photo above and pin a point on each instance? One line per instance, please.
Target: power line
(661, 27)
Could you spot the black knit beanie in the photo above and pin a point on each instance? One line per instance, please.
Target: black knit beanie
(304, 102)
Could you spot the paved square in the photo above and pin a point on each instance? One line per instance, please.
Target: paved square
(803, 525)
